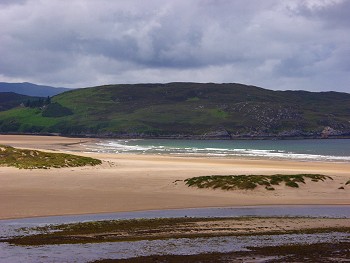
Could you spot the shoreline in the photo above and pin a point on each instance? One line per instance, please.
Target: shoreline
(286, 206)
(127, 182)
(77, 145)
(183, 137)
(284, 151)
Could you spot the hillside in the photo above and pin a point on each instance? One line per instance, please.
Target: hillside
(31, 89)
(186, 110)
(9, 100)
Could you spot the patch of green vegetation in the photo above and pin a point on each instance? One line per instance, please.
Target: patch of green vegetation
(193, 99)
(18, 118)
(219, 113)
(33, 159)
(292, 184)
(250, 182)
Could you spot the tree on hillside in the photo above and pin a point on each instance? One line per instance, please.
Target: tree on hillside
(37, 103)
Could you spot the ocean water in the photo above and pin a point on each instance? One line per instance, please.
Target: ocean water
(334, 150)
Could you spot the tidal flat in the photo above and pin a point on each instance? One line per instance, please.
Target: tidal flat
(167, 228)
(185, 235)
(320, 252)
(185, 239)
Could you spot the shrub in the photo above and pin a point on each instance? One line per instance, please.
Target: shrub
(292, 184)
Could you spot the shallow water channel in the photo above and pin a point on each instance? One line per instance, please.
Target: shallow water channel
(90, 252)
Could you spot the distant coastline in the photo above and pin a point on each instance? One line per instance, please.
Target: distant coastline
(181, 136)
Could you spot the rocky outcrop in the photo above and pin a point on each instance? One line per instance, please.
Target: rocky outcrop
(329, 132)
(220, 133)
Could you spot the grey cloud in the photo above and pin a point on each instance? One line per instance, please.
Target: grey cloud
(274, 44)
(305, 61)
(11, 2)
(330, 13)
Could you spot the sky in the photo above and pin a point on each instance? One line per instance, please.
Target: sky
(274, 44)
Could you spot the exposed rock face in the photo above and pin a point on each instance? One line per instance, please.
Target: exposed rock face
(267, 114)
(294, 133)
(329, 131)
(221, 133)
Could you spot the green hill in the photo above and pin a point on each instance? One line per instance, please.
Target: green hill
(180, 110)
(9, 100)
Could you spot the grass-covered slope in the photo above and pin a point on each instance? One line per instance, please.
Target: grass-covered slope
(186, 109)
(33, 159)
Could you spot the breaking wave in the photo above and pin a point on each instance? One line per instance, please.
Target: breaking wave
(139, 147)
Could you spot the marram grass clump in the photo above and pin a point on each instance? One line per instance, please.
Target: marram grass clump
(33, 159)
(250, 182)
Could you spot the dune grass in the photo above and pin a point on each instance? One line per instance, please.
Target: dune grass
(250, 182)
(33, 159)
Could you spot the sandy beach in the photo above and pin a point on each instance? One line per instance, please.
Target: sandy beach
(126, 182)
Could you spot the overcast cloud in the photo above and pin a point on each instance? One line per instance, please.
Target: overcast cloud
(272, 44)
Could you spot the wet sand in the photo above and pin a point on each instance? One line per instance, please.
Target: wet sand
(126, 182)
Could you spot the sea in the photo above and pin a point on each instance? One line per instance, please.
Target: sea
(333, 150)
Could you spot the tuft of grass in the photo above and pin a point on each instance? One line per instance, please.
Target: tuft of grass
(250, 182)
(292, 184)
(33, 159)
